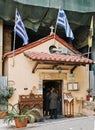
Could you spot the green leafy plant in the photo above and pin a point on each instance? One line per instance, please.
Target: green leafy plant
(89, 90)
(6, 93)
(14, 113)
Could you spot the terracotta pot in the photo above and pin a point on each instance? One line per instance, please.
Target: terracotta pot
(88, 97)
(19, 123)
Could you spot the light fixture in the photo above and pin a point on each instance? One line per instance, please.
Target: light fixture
(59, 69)
(71, 75)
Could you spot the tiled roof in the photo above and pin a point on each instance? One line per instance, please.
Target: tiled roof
(60, 58)
(41, 41)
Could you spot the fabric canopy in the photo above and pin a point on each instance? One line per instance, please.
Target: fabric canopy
(35, 13)
(71, 5)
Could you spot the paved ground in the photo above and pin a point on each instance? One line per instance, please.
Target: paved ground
(4, 126)
(80, 123)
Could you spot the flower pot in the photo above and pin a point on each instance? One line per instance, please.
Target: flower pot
(19, 123)
(89, 98)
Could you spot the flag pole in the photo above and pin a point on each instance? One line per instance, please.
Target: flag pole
(14, 49)
(90, 39)
(88, 51)
(55, 28)
(14, 43)
(56, 24)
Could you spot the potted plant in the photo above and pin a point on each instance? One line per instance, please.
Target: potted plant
(21, 118)
(89, 92)
(5, 93)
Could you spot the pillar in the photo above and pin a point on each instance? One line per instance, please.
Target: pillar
(1, 45)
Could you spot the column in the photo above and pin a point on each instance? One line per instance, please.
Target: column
(1, 45)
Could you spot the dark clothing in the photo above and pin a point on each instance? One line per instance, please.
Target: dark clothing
(53, 100)
(53, 104)
(53, 113)
(58, 105)
(46, 103)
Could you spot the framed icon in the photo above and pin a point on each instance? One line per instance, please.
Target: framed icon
(72, 86)
(75, 86)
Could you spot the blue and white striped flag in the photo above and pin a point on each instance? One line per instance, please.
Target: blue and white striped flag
(62, 21)
(19, 28)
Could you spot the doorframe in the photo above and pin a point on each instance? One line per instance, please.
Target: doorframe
(60, 83)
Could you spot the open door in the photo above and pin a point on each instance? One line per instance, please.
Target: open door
(47, 85)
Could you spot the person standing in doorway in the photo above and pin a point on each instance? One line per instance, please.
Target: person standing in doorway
(46, 103)
(53, 103)
(58, 103)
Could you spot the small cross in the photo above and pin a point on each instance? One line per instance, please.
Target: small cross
(52, 28)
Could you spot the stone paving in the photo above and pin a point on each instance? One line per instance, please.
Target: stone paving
(81, 123)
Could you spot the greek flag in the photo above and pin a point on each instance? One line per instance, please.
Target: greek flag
(62, 21)
(19, 28)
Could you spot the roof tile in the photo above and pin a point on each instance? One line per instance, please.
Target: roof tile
(40, 56)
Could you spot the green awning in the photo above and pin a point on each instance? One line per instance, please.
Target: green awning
(70, 5)
(44, 12)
